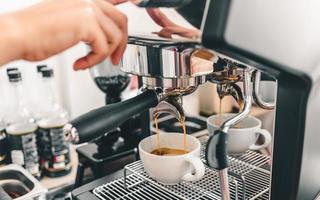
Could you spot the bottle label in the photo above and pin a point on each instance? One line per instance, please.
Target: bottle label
(17, 157)
(61, 165)
(30, 151)
(3, 147)
(59, 159)
(24, 151)
(53, 149)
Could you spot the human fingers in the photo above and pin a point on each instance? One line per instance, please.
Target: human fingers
(112, 31)
(97, 40)
(159, 17)
(116, 2)
(167, 32)
(121, 20)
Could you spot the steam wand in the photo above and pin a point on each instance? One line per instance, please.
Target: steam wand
(216, 150)
(256, 82)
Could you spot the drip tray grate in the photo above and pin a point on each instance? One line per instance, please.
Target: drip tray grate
(247, 178)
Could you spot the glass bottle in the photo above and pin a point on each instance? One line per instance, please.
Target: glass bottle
(21, 128)
(3, 144)
(53, 150)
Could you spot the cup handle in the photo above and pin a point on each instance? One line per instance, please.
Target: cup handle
(267, 140)
(198, 166)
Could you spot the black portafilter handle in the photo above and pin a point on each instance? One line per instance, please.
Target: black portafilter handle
(216, 150)
(102, 120)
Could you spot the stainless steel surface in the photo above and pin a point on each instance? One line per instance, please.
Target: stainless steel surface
(14, 187)
(174, 86)
(71, 134)
(224, 184)
(168, 60)
(15, 179)
(171, 106)
(226, 70)
(258, 100)
(224, 89)
(227, 74)
(174, 68)
(137, 185)
(247, 93)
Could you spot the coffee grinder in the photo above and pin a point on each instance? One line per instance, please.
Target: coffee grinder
(111, 81)
(116, 143)
(251, 38)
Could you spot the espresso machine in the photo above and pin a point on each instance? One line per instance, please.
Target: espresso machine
(238, 41)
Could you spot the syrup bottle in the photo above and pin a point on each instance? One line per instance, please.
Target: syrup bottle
(20, 128)
(53, 149)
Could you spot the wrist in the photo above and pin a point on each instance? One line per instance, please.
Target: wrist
(11, 44)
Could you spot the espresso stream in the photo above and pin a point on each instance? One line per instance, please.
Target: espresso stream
(219, 119)
(164, 151)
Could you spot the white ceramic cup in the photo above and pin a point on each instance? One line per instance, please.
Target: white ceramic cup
(171, 170)
(243, 138)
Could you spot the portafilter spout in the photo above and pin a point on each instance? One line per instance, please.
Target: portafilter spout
(232, 89)
(172, 106)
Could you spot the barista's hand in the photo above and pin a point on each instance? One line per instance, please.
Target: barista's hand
(116, 2)
(170, 28)
(52, 26)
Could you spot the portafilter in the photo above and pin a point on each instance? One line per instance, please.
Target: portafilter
(169, 70)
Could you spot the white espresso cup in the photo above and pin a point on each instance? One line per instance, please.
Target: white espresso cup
(172, 169)
(244, 136)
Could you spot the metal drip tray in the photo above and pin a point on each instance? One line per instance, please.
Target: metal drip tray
(248, 174)
(20, 184)
(14, 188)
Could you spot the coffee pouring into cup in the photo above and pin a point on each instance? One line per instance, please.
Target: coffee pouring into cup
(173, 167)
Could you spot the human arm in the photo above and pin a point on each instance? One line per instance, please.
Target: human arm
(53, 26)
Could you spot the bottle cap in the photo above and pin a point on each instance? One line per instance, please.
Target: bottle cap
(40, 67)
(14, 76)
(47, 73)
(12, 69)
